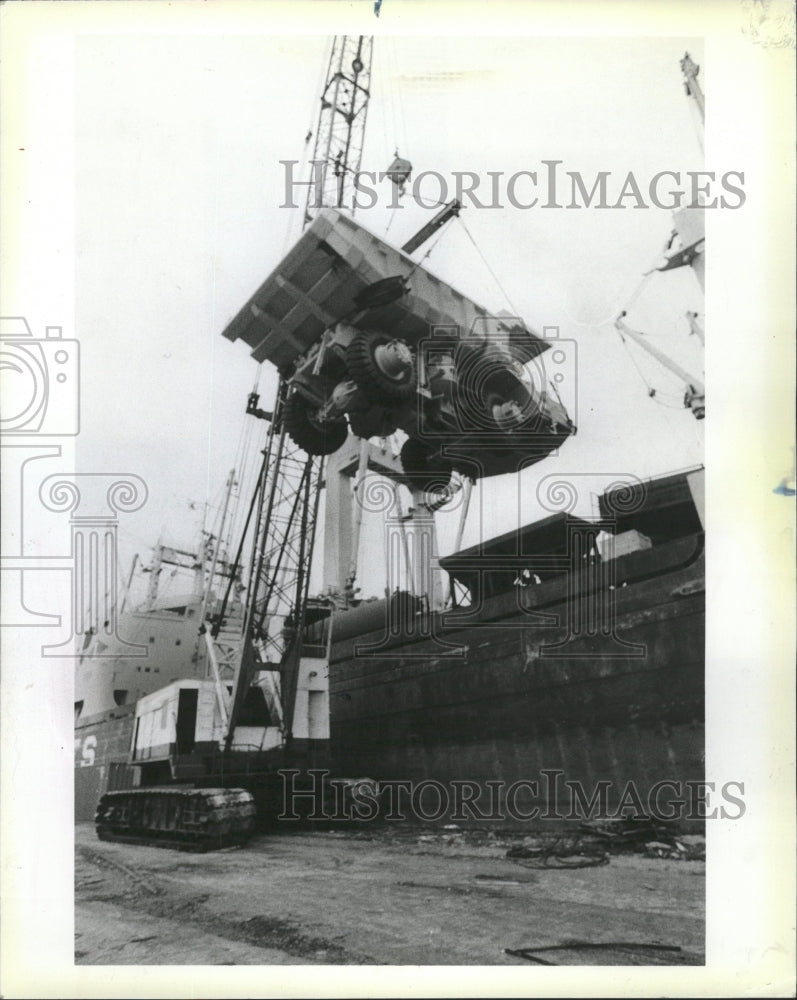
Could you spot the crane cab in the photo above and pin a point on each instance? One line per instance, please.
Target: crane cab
(179, 732)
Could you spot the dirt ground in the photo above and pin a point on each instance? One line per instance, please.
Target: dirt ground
(394, 896)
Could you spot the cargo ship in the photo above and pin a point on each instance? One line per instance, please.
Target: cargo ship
(572, 645)
(545, 661)
(157, 642)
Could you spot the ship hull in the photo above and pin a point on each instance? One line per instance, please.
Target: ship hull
(587, 673)
(156, 645)
(505, 711)
(102, 752)
(525, 699)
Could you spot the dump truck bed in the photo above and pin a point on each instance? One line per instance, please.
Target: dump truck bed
(316, 283)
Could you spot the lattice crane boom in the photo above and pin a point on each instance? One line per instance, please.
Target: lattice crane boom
(340, 132)
(288, 499)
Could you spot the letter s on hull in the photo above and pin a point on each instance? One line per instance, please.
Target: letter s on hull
(87, 751)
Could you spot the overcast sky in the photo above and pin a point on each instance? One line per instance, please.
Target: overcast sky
(178, 188)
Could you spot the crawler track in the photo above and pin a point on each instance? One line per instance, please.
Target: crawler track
(192, 819)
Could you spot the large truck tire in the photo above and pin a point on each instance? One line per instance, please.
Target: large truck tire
(381, 365)
(311, 436)
(423, 473)
(493, 391)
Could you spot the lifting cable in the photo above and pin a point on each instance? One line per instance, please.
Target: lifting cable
(395, 99)
(390, 220)
(309, 136)
(391, 89)
(640, 287)
(401, 115)
(394, 89)
(245, 461)
(647, 275)
(250, 462)
(653, 393)
(433, 244)
(318, 95)
(237, 562)
(503, 291)
(383, 86)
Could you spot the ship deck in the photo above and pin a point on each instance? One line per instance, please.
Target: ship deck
(376, 896)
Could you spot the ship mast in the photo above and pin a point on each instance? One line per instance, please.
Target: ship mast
(689, 228)
(217, 547)
(693, 89)
(690, 223)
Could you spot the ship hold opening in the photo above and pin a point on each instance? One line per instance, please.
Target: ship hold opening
(520, 558)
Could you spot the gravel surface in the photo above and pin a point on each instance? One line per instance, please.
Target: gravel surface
(395, 895)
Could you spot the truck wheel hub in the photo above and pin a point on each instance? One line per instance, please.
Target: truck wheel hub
(394, 359)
